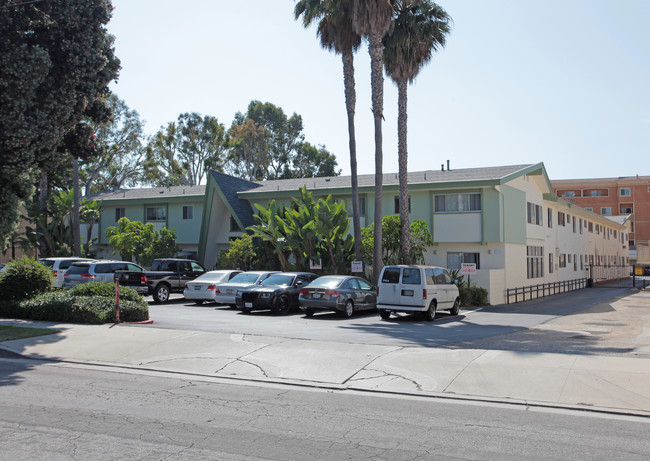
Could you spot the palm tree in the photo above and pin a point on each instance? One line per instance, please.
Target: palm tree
(336, 33)
(419, 29)
(372, 19)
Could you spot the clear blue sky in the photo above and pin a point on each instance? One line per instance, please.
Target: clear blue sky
(564, 82)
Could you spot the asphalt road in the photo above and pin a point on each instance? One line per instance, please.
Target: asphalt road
(367, 328)
(65, 412)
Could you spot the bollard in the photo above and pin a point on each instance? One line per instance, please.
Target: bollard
(117, 300)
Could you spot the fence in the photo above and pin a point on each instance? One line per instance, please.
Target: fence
(544, 289)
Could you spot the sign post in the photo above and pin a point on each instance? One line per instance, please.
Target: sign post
(468, 268)
(357, 266)
(117, 298)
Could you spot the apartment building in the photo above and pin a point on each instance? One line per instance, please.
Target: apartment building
(623, 196)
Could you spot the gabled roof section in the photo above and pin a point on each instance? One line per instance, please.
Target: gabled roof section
(145, 193)
(439, 178)
(229, 187)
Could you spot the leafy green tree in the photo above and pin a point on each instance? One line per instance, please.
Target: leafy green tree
(57, 60)
(391, 245)
(337, 33)
(266, 144)
(162, 166)
(240, 255)
(269, 228)
(134, 239)
(372, 19)
(89, 212)
(418, 30)
(121, 151)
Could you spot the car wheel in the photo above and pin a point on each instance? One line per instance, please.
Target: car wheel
(245, 310)
(384, 314)
(309, 312)
(161, 294)
(456, 308)
(198, 302)
(349, 309)
(233, 306)
(430, 313)
(282, 307)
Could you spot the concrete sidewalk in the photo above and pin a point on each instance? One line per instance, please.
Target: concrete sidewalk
(617, 384)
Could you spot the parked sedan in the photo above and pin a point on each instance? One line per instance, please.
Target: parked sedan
(227, 292)
(279, 293)
(96, 271)
(203, 288)
(337, 293)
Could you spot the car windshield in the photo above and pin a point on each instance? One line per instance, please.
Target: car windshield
(46, 262)
(326, 282)
(213, 277)
(278, 279)
(78, 269)
(245, 278)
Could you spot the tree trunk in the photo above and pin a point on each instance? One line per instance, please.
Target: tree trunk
(350, 103)
(283, 262)
(402, 155)
(376, 50)
(76, 227)
(42, 203)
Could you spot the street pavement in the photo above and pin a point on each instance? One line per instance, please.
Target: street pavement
(594, 359)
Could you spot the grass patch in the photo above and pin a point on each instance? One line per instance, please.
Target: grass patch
(9, 333)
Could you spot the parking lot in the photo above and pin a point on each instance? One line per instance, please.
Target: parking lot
(473, 327)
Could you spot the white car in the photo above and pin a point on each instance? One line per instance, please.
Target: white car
(58, 267)
(203, 288)
(227, 292)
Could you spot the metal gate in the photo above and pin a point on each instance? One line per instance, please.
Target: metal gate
(611, 276)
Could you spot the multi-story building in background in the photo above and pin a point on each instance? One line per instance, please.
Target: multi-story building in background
(624, 196)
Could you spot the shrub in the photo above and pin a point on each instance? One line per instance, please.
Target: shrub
(25, 278)
(473, 296)
(105, 289)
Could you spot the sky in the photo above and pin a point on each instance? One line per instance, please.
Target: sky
(564, 82)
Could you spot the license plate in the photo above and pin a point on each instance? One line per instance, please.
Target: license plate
(407, 292)
(229, 292)
(316, 295)
(248, 304)
(197, 287)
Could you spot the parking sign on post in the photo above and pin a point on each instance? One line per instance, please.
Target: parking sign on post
(469, 269)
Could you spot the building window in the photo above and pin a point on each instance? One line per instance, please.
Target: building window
(625, 192)
(562, 260)
(589, 209)
(156, 213)
(595, 193)
(397, 204)
(575, 263)
(550, 263)
(119, 213)
(457, 202)
(535, 261)
(606, 210)
(534, 214)
(560, 218)
(234, 227)
(590, 227)
(362, 207)
(573, 222)
(455, 259)
(582, 263)
(188, 211)
(550, 217)
(626, 210)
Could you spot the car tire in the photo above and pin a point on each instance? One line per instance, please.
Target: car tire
(245, 310)
(349, 309)
(430, 313)
(455, 310)
(161, 293)
(309, 313)
(282, 305)
(384, 314)
(198, 302)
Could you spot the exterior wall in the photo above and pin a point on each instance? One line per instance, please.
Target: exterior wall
(607, 194)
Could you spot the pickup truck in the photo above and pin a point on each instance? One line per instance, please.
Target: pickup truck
(168, 275)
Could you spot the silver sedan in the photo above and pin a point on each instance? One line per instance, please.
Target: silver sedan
(337, 293)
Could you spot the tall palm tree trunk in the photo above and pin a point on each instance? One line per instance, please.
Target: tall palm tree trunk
(350, 104)
(402, 155)
(76, 227)
(376, 50)
(43, 247)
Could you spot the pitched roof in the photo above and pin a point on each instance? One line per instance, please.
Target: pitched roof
(230, 186)
(149, 193)
(368, 180)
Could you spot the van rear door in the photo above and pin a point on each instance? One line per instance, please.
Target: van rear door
(412, 287)
(389, 286)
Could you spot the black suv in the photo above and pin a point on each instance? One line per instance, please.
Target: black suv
(278, 293)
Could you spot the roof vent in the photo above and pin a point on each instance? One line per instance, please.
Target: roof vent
(442, 166)
(448, 167)
(327, 179)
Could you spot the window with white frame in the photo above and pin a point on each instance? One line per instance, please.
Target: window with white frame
(589, 209)
(362, 206)
(456, 259)
(560, 218)
(534, 213)
(549, 217)
(550, 263)
(562, 260)
(606, 210)
(188, 212)
(534, 261)
(625, 192)
(626, 209)
(156, 213)
(457, 203)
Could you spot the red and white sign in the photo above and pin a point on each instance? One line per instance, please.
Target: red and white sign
(357, 266)
(468, 268)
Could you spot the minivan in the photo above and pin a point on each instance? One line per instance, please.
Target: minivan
(416, 289)
(58, 266)
(96, 271)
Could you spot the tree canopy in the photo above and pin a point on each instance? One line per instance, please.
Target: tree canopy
(57, 60)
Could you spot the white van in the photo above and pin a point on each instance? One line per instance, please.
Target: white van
(416, 289)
